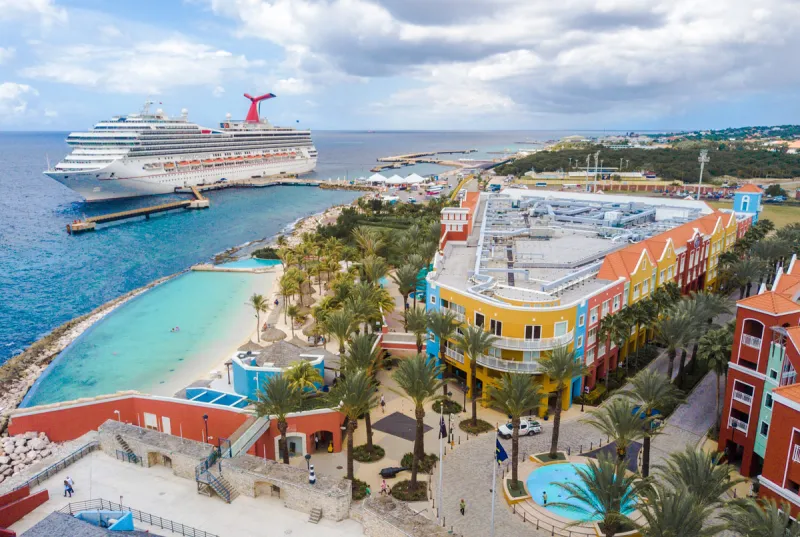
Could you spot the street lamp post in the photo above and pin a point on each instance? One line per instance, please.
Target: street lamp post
(308, 461)
(205, 419)
(702, 159)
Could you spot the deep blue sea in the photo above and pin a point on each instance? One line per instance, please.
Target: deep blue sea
(48, 277)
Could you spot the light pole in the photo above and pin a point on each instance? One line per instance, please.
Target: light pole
(702, 159)
(308, 461)
(205, 419)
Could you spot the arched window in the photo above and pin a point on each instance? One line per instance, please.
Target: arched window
(745, 203)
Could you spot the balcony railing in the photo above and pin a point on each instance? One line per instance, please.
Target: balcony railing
(742, 397)
(796, 453)
(738, 424)
(534, 344)
(454, 355)
(751, 341)
(498, 364)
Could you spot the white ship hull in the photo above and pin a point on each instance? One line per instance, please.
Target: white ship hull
(127, 178)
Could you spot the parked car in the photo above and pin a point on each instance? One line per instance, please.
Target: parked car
(526, 428)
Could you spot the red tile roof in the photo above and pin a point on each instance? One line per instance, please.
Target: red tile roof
(751, 188)
(790, 392)
(794, 336)
(770, 302)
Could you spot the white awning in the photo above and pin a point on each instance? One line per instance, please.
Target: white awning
(414, 179)
(395, 180)
(377, 178)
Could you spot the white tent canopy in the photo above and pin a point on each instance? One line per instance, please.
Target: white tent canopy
(395, 180)
(414, 179)
(377, 178)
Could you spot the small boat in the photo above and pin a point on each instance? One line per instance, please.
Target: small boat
(169, 165)
(208, 162)
(195, 163)
(183, 163)
(239, 159)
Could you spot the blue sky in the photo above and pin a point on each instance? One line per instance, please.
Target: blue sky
(404, 64)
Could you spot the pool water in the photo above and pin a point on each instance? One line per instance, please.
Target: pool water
(252, 262)
(135, 348)
(543, 479)
(216, 397)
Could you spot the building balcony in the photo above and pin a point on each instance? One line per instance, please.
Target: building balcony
(751, 341)
(518, 344)
(796, 453)
(454, 355)
(742, 397)
(738, 424)
(498, 364)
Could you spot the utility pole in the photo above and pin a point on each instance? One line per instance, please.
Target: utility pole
(596, 157)
(588, 157)
(620, 164)
(702, 159)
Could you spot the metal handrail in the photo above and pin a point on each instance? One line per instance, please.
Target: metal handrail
(499, 364)
(128, 457)
(202, 474)
(60, 465)
(751, 341)
(547, 526)
(141, 516)
(514, 343)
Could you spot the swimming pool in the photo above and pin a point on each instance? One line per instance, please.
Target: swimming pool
(135, 348)
(252, 262)
(543, 479)
(216, 397)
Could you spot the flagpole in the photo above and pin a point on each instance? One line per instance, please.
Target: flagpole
(440, 512)
(495, 464)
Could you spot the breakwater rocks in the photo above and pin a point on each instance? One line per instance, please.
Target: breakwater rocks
(22, 450)
(19, 373)
(336, 186)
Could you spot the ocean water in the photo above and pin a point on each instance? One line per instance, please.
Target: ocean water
(48, 277)
(135, 347)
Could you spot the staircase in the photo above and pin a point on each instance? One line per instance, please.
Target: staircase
(316, 515)
(127, 449)
(209, 482)
(243, 438)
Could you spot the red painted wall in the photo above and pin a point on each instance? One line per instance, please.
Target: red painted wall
(308, 424)
(777, 459)
(14, 495)
(14, 511)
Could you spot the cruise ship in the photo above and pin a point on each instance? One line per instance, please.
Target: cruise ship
(150, 153)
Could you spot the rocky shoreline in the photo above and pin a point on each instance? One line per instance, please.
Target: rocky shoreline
(19, 373)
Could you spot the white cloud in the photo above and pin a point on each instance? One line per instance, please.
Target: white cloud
(218, 91)
(150, 67)
(45, 10)
(50, 113)
(292, 86)
(14, 99)
(572, 57)
(6, 53)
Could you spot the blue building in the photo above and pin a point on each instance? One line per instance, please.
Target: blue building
(748, 200)
(252, 368)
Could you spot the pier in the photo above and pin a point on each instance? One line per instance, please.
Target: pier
(90, 224)
(427, 157)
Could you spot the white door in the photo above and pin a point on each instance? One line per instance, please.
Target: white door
(166, 426)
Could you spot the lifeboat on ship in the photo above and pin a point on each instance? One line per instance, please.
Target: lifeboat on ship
(169, 165)
(184, 163)
(196, 163)
(239, 159)
(208, 162)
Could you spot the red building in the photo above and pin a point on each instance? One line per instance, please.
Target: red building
(760, 426)
(457, 221)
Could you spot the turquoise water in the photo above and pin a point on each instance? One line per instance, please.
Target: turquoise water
(252, 263)
(543, 479)
(134, 347)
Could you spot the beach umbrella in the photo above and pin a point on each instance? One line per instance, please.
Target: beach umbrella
(273, 334)
(252, 346)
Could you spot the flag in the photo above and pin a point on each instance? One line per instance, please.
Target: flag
(500, 453)
(442, 428)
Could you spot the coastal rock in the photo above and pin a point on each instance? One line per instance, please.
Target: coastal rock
(22, 449)
(32, 455)
(14, 456)
(38, 444)
(2, 478)
(45, 452)
(30, 435)
(8, 471)
(4, 460)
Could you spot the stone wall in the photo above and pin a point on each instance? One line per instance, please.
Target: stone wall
(251, 476)
(153, 447)
(383, 516)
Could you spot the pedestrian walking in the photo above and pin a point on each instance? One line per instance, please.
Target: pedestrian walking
(67, 489)
(462, 506)
(383, 404)
(369, 492)
(71, 484)
(383, 487)
(544, 497)
(316, 442)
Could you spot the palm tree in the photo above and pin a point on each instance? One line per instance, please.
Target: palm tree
(363, 355)
(517, 395)
(303, 376)
(416, 321)
(287, 287)
(373, 268)
(341, 324)
(693, 309)
(605, 491)
(760, 518)
(419, 378)
(442, 324)
(277, 397)
(561, 367)
(368, 240)
(745, 272)
(715, 350)
(353, 395)
(617, 329)
(652, 391)
(670, 332)
(698, 471)
(260, 304)
(406, 279)
(473, 343)
(294, 313)
(641, 315)
(619, 420)
(670, 513)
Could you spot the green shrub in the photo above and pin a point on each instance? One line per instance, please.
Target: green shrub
(450, 407)
(359, 489)
(481, 427)
(361, 454)
(594, 396)
(267, 252)
(425, 465)
(402, 491)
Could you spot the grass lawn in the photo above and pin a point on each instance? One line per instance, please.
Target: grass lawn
(781, 215)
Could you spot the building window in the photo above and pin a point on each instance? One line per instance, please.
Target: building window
(494, 352)
(625, 294)
(479, 319)
(764, 428)
(606, 308)
(433, 299)
(496, 327)
(592, 336)
(533, 332)
(661, 277)
(593, 315)
(773, 374)
(445, 304)
(581, 320)
(590, 357)
(580, 342)
(768, 402)
(636, 291)
(645, 287)
(530, 356)
(616, 302)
